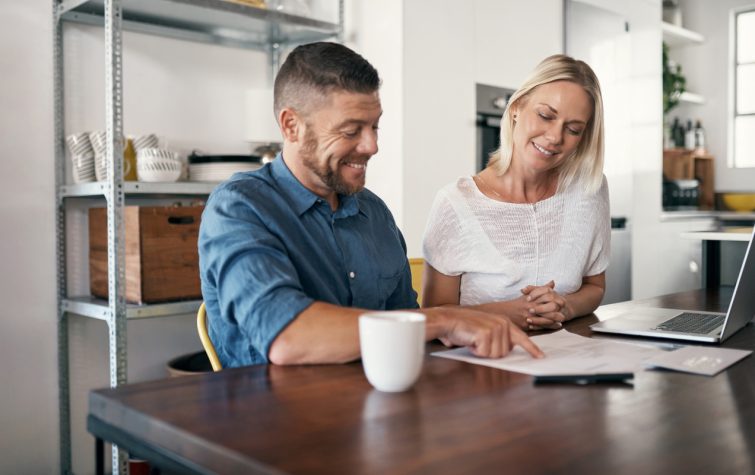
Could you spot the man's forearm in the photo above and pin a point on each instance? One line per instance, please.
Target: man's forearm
(322, 333)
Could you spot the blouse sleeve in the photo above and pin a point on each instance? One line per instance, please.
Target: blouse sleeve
(600, 250)
(441, 241)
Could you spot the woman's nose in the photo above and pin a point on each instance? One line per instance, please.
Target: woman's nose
(555, 133)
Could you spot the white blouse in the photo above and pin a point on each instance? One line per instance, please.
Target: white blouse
(498, 248)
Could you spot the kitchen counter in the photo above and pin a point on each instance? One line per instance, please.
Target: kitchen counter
(720, 215)
(733, 233)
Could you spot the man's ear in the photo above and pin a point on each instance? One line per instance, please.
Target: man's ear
(290, 123)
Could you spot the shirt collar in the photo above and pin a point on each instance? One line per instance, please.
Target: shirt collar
(301, 197)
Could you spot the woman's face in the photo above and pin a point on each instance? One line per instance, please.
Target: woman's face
(549, 125)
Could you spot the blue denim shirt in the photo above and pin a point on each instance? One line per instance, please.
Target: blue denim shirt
(269, 248)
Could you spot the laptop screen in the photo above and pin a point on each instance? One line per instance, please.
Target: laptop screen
(742, 305)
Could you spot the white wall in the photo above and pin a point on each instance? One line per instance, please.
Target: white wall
(512, 37)
(706, 67)
(374, 29)
(28, 409)
(438, 82)
(447, 49)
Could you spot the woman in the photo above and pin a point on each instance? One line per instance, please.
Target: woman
(529, 236)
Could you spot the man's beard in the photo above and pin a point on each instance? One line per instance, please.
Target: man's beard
(329, 177)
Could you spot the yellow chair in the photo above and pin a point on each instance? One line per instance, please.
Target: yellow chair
(417, 266)
(209, 348)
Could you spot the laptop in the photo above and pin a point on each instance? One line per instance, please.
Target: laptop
(677, 324)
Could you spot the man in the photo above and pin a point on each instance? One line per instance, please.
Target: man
(293, 253)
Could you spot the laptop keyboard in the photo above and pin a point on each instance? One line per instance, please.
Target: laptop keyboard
(700, 323)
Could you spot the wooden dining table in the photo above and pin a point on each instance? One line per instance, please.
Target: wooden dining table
(458, 418)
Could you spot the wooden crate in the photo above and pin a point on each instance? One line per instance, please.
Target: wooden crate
(684, 164)
(162, 262)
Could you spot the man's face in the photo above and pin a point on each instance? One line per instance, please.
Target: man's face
(339, 139)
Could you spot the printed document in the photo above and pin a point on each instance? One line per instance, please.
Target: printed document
(570, 354)
(703, 360)
(567, 354)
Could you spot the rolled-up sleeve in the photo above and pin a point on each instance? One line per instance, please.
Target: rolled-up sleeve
(248, 280)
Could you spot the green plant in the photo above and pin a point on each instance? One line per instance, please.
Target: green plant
(674, 82)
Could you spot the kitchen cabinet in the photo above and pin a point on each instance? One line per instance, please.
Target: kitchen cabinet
(682, 164)
(219, 22)
(663, 261)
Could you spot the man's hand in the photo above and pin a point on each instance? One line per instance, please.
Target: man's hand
(486, 335)
(547, 308)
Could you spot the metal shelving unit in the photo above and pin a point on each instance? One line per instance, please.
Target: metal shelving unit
(220, 22)
(137, 188)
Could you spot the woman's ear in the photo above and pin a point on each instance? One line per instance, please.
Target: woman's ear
(289, 122)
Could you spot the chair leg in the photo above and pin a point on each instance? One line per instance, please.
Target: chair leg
(99, 456)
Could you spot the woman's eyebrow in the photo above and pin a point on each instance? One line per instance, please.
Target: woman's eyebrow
(552, 109)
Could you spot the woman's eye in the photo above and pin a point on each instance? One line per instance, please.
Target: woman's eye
(543, 116)
(574, 131)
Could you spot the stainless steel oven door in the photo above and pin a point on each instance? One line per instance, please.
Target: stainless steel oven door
(491, 103)
(488, 138)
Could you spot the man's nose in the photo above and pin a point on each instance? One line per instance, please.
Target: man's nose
(368, 143)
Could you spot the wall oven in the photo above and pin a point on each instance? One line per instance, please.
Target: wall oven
(491, 102)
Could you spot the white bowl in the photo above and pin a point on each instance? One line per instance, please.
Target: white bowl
(146, 154)
(158, 170)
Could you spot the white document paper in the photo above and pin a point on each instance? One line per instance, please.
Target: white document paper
(567, 354)
(699, 359)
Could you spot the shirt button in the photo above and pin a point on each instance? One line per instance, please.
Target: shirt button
(352, 274)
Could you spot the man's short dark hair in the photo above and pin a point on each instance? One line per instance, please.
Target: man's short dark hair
(321, 68)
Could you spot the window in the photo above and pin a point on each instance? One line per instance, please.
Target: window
(743, 131)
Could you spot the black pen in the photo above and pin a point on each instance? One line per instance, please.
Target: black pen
(584, 378)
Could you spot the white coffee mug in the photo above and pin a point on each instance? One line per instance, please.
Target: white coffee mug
(393, 348)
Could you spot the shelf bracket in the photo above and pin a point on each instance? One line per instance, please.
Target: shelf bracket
(68, 5)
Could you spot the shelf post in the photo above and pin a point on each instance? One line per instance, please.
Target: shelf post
(340, 22)
(115, 200)
(64, 400)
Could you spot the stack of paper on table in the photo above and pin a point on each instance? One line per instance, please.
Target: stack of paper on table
(571, 354)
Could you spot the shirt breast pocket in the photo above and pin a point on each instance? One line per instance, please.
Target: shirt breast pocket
(387, 285)
(391, 271)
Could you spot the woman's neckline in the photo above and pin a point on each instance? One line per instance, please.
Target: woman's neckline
(500, 198)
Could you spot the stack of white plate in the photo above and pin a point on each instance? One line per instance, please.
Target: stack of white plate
(220, 167)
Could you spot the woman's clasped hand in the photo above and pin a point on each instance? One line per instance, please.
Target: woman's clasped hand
(547, 310)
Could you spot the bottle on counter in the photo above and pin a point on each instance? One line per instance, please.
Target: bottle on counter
(689, 136)
(699, 136)
(677, 133)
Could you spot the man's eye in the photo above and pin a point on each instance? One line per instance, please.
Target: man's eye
(351, 133)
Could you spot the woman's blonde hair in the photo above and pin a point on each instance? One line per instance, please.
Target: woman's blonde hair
(586, 163)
